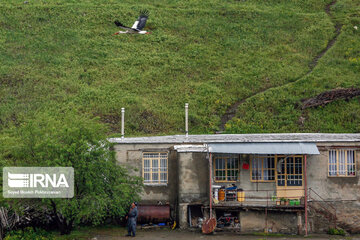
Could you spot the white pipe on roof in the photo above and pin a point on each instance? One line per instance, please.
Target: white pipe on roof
(122, 123)
(186, 119)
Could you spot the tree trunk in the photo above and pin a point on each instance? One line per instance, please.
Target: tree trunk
(1, 232)
(64, 226)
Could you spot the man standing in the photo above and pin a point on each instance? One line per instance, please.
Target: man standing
(131, 220)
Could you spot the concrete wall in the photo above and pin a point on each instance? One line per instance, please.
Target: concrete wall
(193, 183)
(130, 156)
(188, 182)
(342, 193)
(188, 177)
(276, 222)
(192, 170)
(193, 177)
(332, 188)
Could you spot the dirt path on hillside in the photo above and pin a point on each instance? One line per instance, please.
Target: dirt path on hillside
(332, 41)
(231, 111)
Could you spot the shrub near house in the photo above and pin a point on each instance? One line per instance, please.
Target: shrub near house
(102, 188)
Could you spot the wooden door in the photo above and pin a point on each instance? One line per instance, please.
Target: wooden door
(290, 177)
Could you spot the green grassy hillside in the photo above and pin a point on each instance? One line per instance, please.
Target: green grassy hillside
(56, 55)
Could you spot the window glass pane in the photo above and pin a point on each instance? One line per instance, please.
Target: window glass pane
(271, 174)
(281, 180)
(254, 163)
(332, 157)
(163, 165)
(163, 177)
(226, 167)
(298, 165)
(289, 165)
(257, 169)
(223, 175)
(220, 163)
(342, 162)
(229, 175)
(341, 154)
(351, 163)
(155, 177)
(146, 177)
(332, 163)
(272, 162)
(155, 167)
(146, 165)
(266, 162)
(220, 175)
(263, 168)
(281, 171)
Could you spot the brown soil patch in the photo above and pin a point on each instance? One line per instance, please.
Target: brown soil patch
(330, 96)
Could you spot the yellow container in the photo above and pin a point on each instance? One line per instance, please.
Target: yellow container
(221, 195)
(240, 196)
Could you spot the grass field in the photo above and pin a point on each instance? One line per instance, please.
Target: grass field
(56, 55)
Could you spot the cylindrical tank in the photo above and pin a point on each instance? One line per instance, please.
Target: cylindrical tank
(216, 194)
(153, 213)
(221, 194)
(216, 191)
(240, 196)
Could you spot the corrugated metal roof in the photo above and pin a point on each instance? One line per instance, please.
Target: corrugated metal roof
(264, 148)
(241, 138)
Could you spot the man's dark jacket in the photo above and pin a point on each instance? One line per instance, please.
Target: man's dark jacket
(132, 217)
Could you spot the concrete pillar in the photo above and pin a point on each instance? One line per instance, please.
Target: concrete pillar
(299, 223)
(183, 212)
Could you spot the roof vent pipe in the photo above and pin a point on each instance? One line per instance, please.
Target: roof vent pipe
(122, 122)
(186, 119)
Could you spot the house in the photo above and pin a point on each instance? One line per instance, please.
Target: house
(290, 183)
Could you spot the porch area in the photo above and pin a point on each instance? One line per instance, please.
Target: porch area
(251, 199)
(265, 182)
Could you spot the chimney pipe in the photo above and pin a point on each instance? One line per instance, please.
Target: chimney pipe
(122, 122)
(186, 119)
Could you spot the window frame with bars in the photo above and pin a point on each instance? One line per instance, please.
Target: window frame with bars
(226, 157)
(339, 168)
(159, 169)
(292, 171)
(262, 169)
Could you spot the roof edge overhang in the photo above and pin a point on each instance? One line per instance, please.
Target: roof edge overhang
(243, 138)
(265, 148)
(191, 148)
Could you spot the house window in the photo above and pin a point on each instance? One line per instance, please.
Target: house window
(155, 167)
(226, 168)
(289, 170)
(342, 163)
(263, 168)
